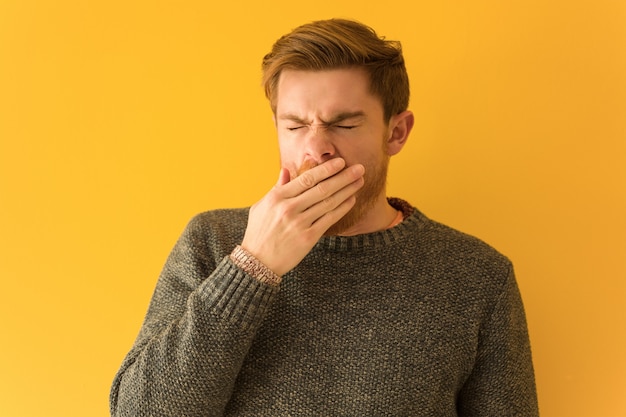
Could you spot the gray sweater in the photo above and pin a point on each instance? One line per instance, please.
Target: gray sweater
(416, 320)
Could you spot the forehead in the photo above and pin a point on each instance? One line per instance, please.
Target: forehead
(325, 92)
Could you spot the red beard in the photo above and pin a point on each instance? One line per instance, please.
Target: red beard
(375, 180)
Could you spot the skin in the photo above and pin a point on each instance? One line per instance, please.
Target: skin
(334, 148)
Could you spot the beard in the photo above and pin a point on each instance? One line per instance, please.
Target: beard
(375, 179)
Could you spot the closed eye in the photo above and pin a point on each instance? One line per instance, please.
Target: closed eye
(346, 127)
(294, 128)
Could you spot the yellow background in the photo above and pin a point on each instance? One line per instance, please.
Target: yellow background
(119, 120)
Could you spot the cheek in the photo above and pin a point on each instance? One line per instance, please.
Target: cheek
(288, 159)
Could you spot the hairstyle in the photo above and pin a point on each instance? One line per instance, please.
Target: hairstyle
(340, 43)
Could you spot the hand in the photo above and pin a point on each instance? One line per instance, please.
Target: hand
(288, 221)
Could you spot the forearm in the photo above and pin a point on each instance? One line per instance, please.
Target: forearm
(189, 365)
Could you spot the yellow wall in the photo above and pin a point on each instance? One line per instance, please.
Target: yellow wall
(120, 119)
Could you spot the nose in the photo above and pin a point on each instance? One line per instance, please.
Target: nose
(319, 145)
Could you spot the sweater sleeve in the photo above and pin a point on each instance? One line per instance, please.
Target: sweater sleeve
(202, 319)
(502, 382)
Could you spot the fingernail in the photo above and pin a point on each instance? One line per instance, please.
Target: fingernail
(337, 163)
(358, 169)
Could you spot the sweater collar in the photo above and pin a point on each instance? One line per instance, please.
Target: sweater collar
(413, 221)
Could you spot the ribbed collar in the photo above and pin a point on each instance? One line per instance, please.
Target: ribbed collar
(413, 221)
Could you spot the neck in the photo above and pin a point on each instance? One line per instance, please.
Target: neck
(377, 218)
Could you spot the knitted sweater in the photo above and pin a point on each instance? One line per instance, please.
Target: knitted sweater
(416, 320)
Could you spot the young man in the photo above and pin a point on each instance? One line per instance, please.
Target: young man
(326, 297)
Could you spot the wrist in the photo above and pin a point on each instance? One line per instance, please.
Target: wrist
(253, 267)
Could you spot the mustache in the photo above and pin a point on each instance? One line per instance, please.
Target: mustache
(306, 165)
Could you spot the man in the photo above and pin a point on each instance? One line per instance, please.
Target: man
(326, 297)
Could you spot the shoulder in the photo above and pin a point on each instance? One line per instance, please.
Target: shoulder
(220, 218)
(216, 230)
(459, 253)
(470, 271)
(463, 244)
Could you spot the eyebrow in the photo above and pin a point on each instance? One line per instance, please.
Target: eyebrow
(340, 117)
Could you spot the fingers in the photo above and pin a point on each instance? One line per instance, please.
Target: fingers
(323, 223)
(313, 176)
(332, 191)
(284, 177)
(322, 191)
(329, 194)
(328, 201)
(285, 224)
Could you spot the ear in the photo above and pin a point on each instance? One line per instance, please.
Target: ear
(400, 126)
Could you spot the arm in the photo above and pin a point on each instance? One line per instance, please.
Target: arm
(502, 382)
(205, 310)
(195, 336)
